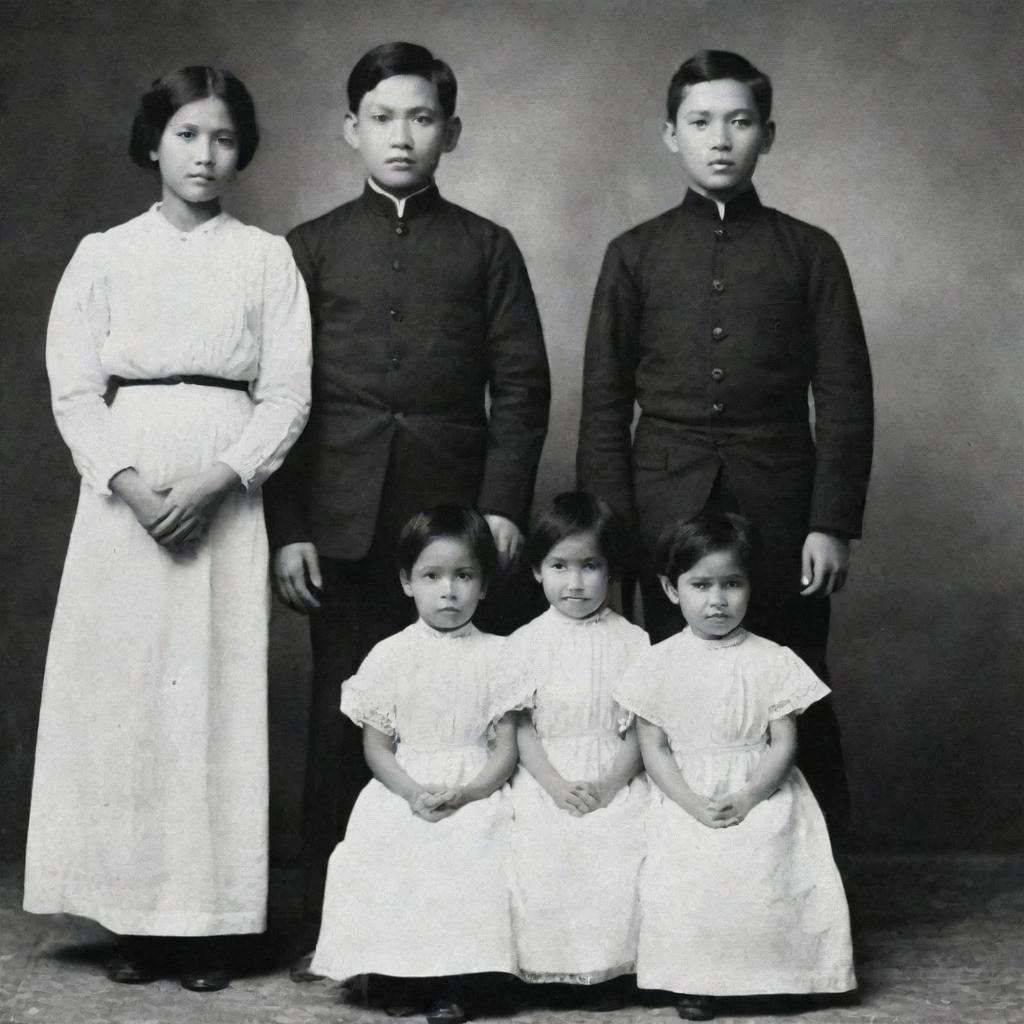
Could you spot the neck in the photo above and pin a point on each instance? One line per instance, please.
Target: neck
(187, 216)
(722, 196)
(400, 193)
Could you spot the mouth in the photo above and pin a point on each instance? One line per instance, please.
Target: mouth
(399, 161)
(202, 177)
(721, 165)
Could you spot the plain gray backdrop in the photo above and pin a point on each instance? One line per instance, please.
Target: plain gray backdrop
(898, 131)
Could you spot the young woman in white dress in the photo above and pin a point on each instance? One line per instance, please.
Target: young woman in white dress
(417, 889)
(178, 353)
(578, 799)
(739, 894)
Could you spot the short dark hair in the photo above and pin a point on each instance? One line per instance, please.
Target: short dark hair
(458, 521)
(578, 512)
(186, 85)
(684, 543)
(392, 59)
(712, 65)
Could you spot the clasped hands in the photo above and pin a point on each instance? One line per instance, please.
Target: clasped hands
(434, 802)
(580, 797)
(723, 812)
(181, 514)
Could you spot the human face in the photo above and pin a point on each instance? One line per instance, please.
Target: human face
(718, 136)
(401, 133)
(712, 594)
(198, 157)
(574, 575)
(446, 583)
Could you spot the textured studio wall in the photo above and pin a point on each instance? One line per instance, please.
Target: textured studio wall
(896, 132)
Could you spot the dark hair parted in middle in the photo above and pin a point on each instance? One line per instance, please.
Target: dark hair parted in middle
(186, 85)
(392, 59)
(458, 521)
(712, 65)
(683, 544)
(578, 512)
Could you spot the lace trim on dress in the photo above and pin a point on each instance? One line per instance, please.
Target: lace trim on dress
(811, 690)
(360, 707)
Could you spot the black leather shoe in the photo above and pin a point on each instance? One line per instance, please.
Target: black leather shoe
(444, 1011)
(211, 979)
(696, 1007)
(127, 969)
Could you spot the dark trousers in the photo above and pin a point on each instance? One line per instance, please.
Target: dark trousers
(362, 603)
(779, 613)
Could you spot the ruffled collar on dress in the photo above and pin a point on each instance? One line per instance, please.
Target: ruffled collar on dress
(203, 229)
(422, 629)
(732, 640)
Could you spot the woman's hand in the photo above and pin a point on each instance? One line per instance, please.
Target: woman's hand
(145, 503)
(190, 503)
(578, 798)
(434, 803)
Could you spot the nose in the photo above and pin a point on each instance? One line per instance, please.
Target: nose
(720, 138)
(575, 579)
(401, 136)
(204, 152)
(448, 586)
(717, 597)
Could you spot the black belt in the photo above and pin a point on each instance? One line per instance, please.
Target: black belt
(114, 382)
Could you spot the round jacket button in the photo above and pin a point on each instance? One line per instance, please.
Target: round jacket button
(720, 232)
(395, 314)
(718, 286)
(398, 415)
(719, 407)
(400, 229)
(717, 373)
(718, 333)
(396, 362)
(396, 265)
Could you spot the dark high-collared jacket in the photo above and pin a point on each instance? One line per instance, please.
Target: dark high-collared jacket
(717, 328)
(418, 323)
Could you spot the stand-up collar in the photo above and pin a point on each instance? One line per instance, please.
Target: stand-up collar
(384, 205)
(745, 205)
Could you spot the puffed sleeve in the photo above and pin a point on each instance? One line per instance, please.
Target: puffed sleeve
(281, 390)
(637, 693)
(635, 643)
(513, 679)
(368, 697)
(79, 321)
(793, 687)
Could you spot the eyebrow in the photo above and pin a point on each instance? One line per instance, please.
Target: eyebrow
(384, 109)
(191, 124)
(728, 113)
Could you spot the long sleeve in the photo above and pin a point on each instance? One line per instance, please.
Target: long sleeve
(519, 385)
(609, 388)
(78, 324)
(843, 404)
(281, 391)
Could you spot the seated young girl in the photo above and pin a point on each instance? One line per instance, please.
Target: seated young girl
(417, 889)
(578, 801)
(739, 894)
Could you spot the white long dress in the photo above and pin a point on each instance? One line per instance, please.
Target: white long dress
(757, 908)
(574, 891)
(407, 897)
(149, 800)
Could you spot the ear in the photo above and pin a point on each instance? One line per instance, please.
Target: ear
(452, 133)
(670, 591)
(668, 136)
(350, 130)
(769, 137)
(406, 584)
(537, 576)
(483, 591)
(154, 156)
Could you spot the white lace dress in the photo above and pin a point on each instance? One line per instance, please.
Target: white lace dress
(759, 907)
(575, 879)
(149, 801)
(404, 896)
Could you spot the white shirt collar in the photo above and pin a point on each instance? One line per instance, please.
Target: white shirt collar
(399, 203)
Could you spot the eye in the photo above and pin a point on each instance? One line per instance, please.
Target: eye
(430, 575)
(227, 141)
(466, 575)
(379, 118)
(742, 122)
(699, 123)
(185, 133)
(591, 566)
(423, 119)
(556, 565)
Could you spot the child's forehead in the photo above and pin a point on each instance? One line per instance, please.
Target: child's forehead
(403, 92)
(447, 550)
(576, 545)
(724, 562)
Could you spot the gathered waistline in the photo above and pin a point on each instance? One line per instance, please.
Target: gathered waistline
(719, 748)
(407, 745)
